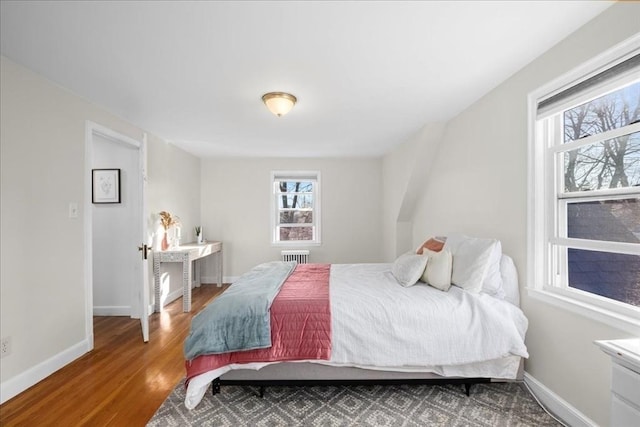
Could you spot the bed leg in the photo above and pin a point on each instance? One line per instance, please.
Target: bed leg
(215, 386)
(261, 392)
(467, 389)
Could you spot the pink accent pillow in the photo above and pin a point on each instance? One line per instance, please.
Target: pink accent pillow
(434, 244)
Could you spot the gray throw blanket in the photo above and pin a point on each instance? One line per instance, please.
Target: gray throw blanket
(239, 319)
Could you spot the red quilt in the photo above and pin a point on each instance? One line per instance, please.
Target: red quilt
(300, 324)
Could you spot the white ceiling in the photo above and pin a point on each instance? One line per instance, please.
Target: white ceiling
(368, 75)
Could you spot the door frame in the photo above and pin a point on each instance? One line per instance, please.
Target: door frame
(142, 292)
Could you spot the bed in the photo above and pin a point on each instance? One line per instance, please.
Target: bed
(387, 324)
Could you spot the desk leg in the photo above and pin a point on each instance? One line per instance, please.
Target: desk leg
(156, 284)
(186, 284)
(196, 265)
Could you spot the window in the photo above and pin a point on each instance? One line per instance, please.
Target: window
(584, 217)
(295, 208)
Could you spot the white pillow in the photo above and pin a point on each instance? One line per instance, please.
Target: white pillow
(509, 275)
(471, 257)
(438, 271)
(493, 282)
(408, 268)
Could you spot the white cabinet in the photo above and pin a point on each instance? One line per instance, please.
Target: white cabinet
(625, 381)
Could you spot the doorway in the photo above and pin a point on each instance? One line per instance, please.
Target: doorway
(116, 274)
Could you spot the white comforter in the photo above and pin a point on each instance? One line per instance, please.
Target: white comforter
(378, 324)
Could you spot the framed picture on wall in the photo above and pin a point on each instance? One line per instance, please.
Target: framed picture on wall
(105, 185)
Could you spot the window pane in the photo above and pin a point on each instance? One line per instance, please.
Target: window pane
(611, 111)
(298, 201)
(614, 276)
(305, 201)
(614, 163)
(610, 220)
(295, 233)
(295, 186)
(296, 217)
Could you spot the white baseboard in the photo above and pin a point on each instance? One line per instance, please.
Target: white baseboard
(171, 296)
(556, 405)
(112, 311)
(16, 385)
(214, 279)
(209, 279)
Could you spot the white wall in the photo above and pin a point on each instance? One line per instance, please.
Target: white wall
(236, 209)
(406, 172)
(478, 185)
(42, 154)
(174, 186)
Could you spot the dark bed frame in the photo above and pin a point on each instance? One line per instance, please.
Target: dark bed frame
(468, 382)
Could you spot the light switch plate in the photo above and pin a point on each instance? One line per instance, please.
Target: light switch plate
(73, 210)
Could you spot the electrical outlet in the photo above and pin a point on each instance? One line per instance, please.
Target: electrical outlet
(5, 347)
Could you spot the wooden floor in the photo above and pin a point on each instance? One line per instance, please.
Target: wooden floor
(122, 382)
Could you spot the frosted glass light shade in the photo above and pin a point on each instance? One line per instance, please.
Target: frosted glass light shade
(279, 103)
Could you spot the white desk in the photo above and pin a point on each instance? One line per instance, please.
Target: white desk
(186, 254)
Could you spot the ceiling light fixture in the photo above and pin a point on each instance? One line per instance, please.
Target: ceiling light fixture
(279, 103)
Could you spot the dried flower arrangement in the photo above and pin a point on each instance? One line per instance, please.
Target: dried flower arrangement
(168, 221)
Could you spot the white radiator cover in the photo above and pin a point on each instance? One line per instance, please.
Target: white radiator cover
(301, 256)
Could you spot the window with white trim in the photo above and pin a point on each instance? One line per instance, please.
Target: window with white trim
(295, 207)
(584, 223)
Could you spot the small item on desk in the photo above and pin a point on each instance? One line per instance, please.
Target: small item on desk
(199, 235)
(168, 221)
(177, 236)
(164, 244)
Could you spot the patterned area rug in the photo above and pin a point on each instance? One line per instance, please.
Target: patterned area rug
(504, 404)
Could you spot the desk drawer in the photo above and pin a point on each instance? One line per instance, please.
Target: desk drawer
(623, 414)
(626, 383)
(171, 257)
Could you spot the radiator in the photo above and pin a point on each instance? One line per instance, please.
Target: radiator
(299, 256)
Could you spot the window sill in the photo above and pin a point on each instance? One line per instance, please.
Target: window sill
(296, 244)
(617, 320)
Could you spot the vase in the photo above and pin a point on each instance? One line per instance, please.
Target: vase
(164, 245)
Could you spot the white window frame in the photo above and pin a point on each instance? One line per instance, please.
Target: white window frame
(313, 176)
(543, 225)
